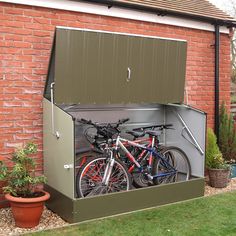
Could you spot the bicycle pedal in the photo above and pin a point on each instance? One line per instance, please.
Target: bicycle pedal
(149, 177)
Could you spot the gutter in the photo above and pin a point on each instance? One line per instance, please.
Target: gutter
(217, 77)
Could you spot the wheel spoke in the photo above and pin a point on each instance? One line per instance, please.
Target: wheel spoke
(91, 176)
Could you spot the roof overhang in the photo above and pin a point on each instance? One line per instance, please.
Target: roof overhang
(163, 12)
(130, 12)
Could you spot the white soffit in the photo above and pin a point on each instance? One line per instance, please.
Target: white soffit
(93, 8)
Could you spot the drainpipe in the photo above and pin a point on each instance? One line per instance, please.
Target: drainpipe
(217, 62)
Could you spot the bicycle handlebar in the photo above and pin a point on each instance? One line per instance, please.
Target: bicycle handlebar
(88, 122)
(108, 130)
(162, 126)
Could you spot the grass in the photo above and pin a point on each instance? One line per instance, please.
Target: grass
(214, 215)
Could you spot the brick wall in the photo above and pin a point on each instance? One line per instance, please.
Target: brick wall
(26, 35)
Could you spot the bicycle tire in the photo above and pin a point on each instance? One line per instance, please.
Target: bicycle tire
(89, 178)
(178, 159)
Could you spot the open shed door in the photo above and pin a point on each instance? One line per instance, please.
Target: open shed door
(94, 67)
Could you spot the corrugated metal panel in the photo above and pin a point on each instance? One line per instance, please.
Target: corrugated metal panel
(192, 7)
(91, 67)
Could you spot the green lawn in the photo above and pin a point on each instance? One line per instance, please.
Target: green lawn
(214, 215)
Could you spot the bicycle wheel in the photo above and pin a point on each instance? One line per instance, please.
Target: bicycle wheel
(178, 160)
(89, 177)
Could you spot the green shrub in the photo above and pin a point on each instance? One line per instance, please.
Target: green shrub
(21, 178)
(214, 159)
(227, 135)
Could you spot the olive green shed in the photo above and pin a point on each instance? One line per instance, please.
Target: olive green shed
(107, 76)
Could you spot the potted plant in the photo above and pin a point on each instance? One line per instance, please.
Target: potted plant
(218, 169)
(227, 138)
(21, 189)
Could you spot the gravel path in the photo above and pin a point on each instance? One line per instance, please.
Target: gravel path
(211, 191)
(50, 220)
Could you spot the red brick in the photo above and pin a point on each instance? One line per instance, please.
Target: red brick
(12, 104)
(41, 46)
(24, 58)
(59, 22)
(51, 15)
(32, 91)
(24, 136)
(13, 64)
(33, 130)
(13, 11)
(24, 123)
(14, 144)
(32, 13)
(6, 137)
(23, 31)
(34, 26)
(12, 90)
(14, 51)
(14, 24)
(23, 19)
(14, 37)
(42, 33)
(22, 45)
(68, 17)
(30, 51)
(12, 130)
(41, 20)
(31, 78)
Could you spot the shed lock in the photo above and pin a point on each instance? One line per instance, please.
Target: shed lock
(68, 166)
(128, 74)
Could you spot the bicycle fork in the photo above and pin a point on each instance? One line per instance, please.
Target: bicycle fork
(108, 170)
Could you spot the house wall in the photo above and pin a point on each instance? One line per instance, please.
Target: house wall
(26, 35)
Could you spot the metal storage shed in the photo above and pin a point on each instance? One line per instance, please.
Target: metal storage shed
(106, 76)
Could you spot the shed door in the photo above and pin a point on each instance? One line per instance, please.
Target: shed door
(107, 68)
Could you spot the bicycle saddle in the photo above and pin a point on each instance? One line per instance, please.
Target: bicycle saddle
(136, 134)
(155, 133)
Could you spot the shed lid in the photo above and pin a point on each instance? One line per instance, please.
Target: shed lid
(96, 67)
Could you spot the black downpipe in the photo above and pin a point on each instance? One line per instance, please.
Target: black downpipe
(217, 63)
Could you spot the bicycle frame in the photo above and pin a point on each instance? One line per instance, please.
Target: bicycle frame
(121, 142)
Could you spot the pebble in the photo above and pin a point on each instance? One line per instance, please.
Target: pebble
(212, 191)
(48, 220)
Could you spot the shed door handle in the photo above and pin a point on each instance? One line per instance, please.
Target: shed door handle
(128, 74)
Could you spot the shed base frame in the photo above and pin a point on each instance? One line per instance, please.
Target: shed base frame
(83, 209)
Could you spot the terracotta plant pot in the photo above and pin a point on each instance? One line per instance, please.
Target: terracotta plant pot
(27, 211)
(218, 178)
